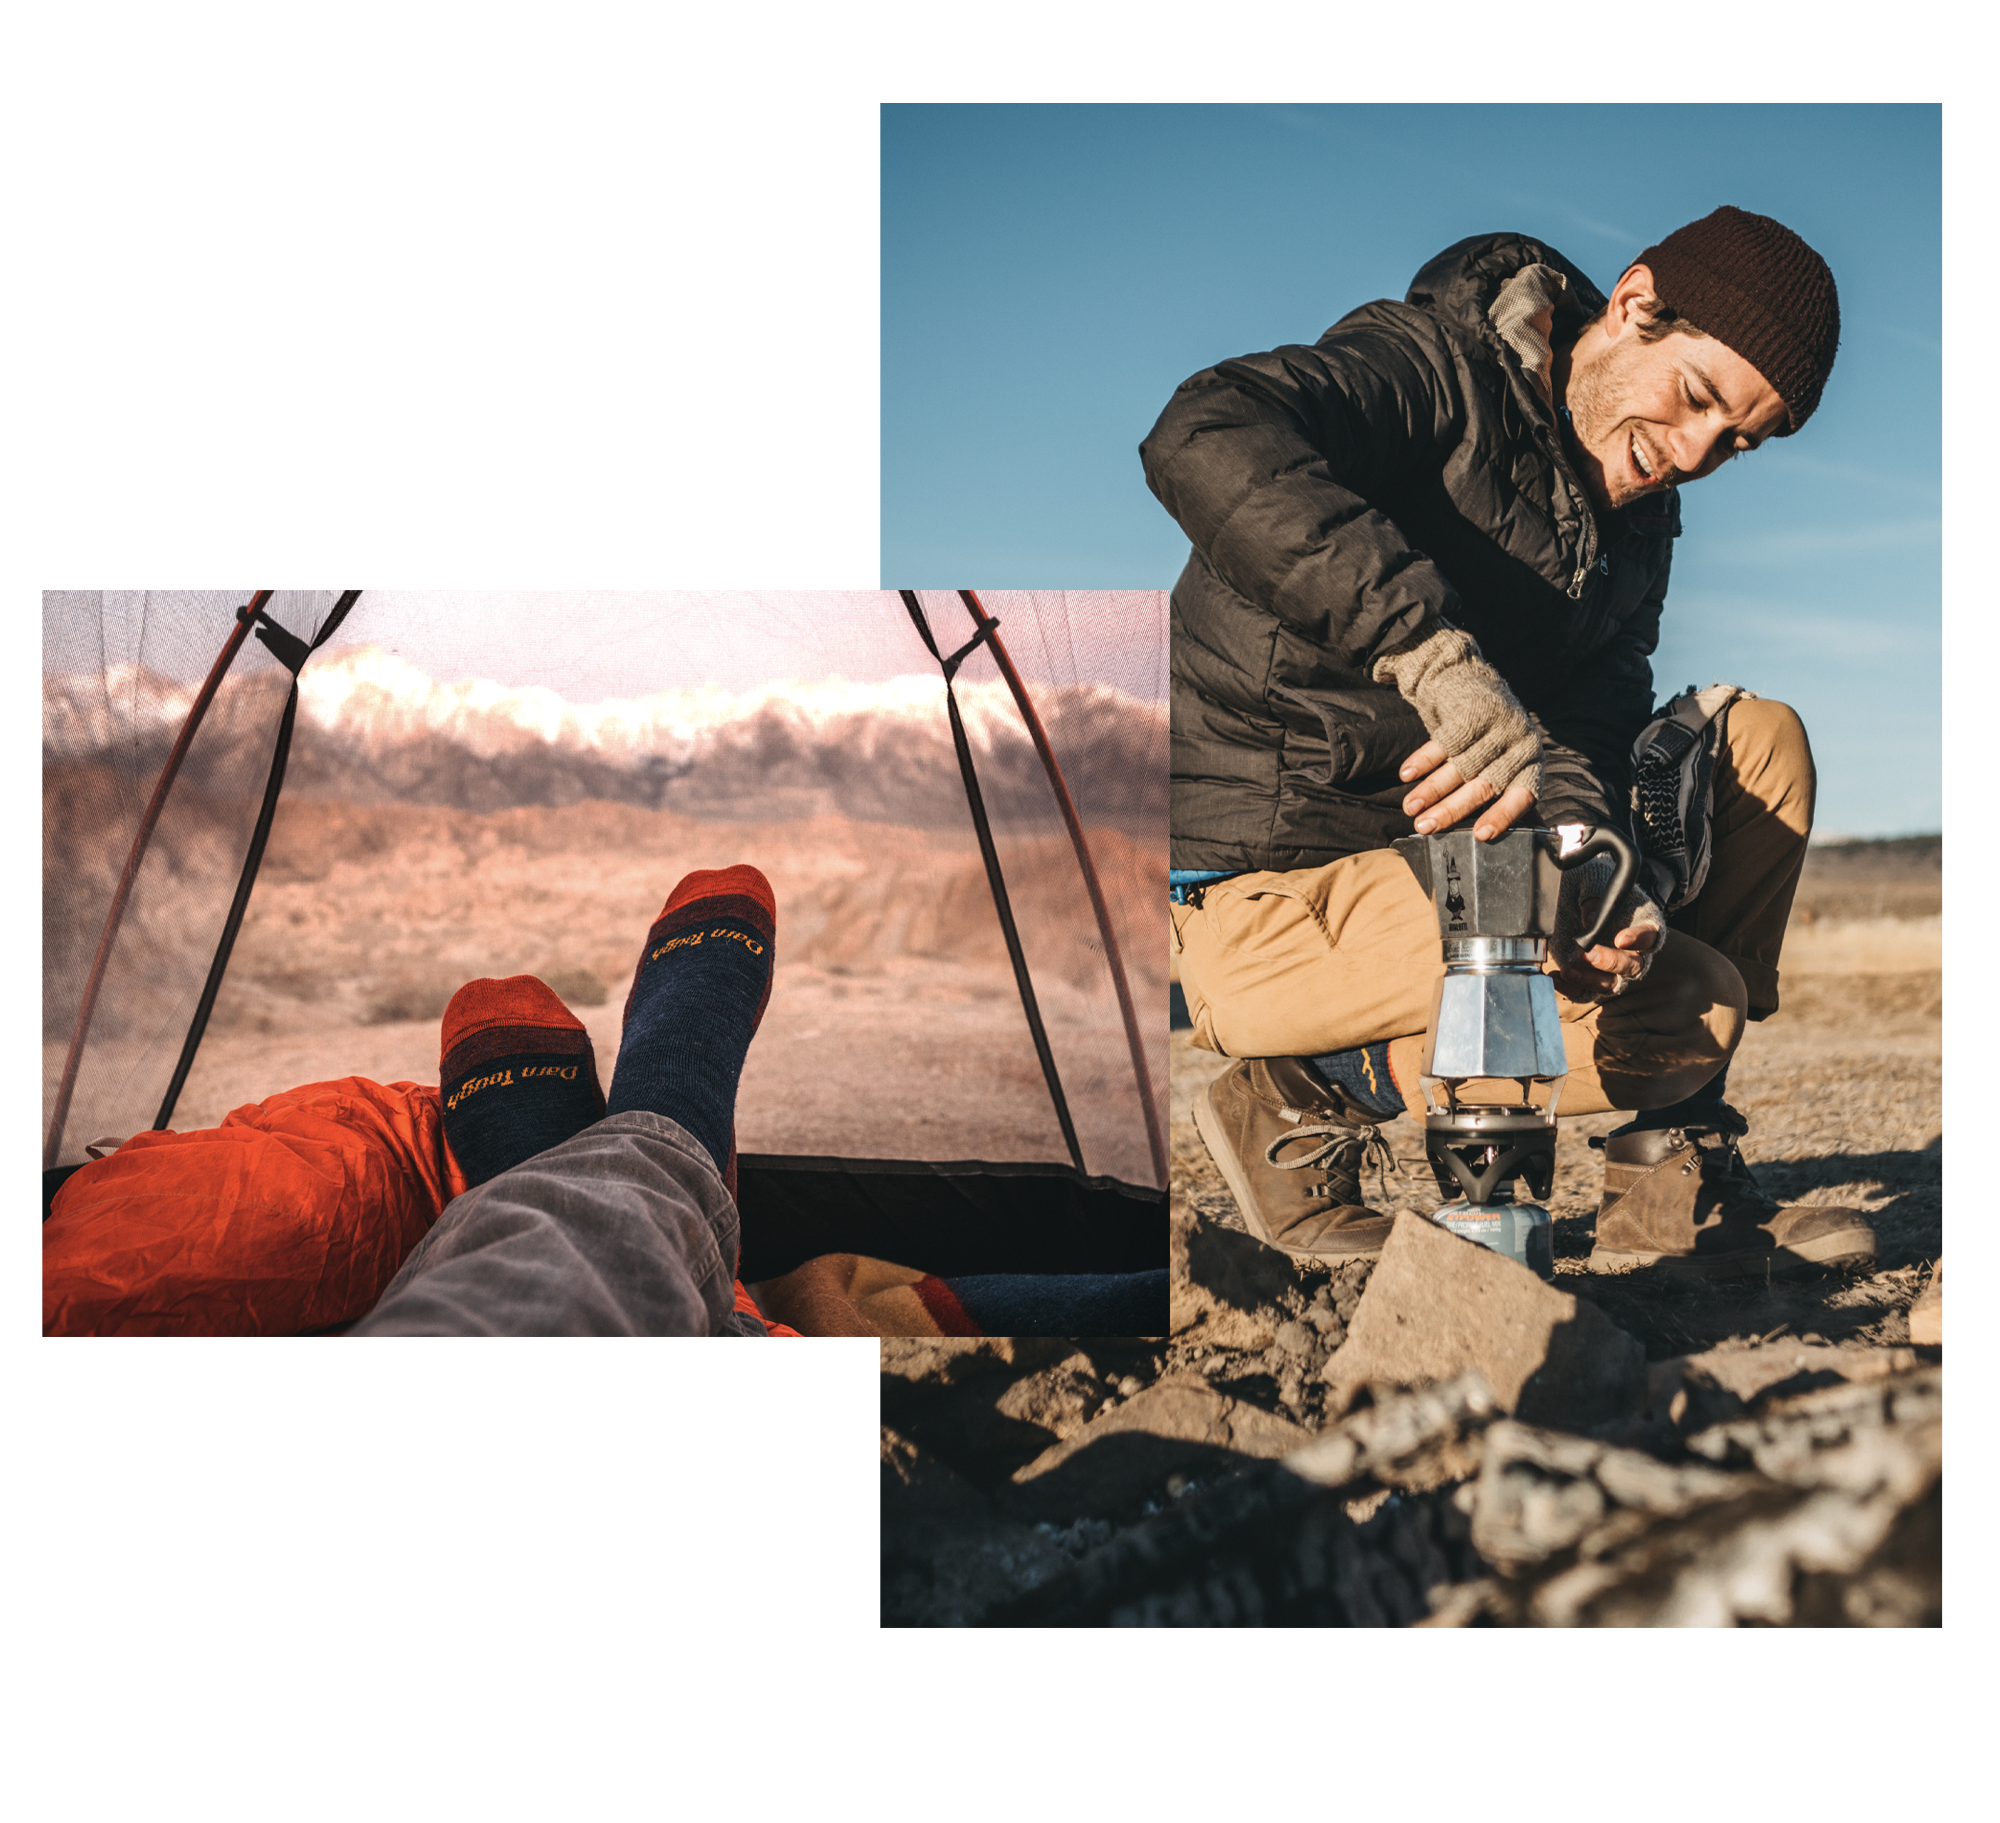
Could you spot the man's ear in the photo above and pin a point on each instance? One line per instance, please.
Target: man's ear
(1633, 290)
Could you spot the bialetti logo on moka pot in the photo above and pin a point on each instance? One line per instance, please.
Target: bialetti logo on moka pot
(1454, 900)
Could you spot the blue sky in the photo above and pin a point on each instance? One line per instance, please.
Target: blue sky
(1050, 274)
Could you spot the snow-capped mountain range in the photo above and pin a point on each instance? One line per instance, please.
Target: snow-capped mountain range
(373, 728)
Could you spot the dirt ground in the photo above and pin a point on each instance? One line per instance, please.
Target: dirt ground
(1843, 1090)
(1063, 1466)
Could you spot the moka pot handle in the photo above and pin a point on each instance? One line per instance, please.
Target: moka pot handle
(1603, 840)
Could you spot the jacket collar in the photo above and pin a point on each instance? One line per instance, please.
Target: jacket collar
(1523, 315)
(1462, 283)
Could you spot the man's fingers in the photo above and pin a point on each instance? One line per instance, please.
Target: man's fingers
(1598, 970)
(1439, 784)
(1443, 796)
(1515, 803)
(1456, 808)
(1427, 758)
(1625, 955)
(1583, 980)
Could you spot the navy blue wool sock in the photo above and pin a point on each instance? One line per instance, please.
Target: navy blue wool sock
(1696, 1110)
(701, 987)
(1065, 1304)
(517, 1074)
(1364, 1074)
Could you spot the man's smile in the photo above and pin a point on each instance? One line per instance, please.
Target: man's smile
(1652, 469)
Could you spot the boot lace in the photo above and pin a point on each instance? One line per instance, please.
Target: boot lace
(1722, 1163)
(1725, 1164)
(1344, 1153)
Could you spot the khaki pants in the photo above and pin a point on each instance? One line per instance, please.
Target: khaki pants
(1329, 958)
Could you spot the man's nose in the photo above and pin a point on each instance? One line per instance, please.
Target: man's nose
(1695, 449)
(1691, 447)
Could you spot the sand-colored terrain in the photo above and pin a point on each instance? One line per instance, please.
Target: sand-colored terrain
(1843, 1088)
(894, 1028)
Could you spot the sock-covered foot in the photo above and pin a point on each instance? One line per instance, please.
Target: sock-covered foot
(1364, 1074)
(701, 987)
(517, 1074)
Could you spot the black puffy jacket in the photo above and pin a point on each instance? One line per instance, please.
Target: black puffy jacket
(1340, 499)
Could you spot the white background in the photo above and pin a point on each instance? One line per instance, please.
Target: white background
(498, 296)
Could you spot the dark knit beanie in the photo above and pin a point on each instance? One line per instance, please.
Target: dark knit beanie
(1757, 288)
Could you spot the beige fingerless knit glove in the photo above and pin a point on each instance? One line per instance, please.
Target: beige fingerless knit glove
(1467, 707)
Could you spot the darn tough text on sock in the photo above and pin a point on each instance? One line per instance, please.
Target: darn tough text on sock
(735, 936)
(502, 1079)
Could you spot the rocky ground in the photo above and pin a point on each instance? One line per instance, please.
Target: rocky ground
(1626, 1450)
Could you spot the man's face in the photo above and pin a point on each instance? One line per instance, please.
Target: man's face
(1648, 415)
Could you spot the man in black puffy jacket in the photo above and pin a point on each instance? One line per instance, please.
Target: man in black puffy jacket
(1430, 555)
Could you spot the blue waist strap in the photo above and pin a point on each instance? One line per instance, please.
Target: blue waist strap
(1179, 879)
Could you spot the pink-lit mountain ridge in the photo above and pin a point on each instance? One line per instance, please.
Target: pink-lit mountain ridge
(374, 729)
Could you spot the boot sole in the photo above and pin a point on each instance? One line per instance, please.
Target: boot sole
(1819, 1255)
(1239, 1189)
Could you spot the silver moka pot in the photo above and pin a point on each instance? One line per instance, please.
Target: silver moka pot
(1493, 1064)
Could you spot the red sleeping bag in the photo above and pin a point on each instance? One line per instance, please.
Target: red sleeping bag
(292, 1215)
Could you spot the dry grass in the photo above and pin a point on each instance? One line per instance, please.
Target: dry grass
(1866, 946)
(576, 987)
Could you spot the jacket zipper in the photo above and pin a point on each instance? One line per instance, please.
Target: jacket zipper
(1550, 436)
(1588, 557)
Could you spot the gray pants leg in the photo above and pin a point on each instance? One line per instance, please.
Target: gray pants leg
(624, 1230)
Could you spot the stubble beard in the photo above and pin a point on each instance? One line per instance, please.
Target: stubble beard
(1596, 401)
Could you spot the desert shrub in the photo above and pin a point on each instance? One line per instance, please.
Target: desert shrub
(578, 986)
(413, 994)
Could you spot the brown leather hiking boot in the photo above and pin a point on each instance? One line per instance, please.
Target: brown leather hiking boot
(1291, 1150)
(1683, 1197)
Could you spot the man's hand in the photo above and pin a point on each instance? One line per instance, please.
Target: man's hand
(1444, 797)
(1483, 745)
(1602, 968)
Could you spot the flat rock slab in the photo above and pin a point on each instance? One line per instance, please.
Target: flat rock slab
(987, 1405)
(1437, 1305)
(1124, 1458)
(1782, 1369)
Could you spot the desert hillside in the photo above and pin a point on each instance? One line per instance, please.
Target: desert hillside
(894, 1028)
(432, 831)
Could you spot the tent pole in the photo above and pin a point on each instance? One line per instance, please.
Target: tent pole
(1154, 1137)
(995, 875)
(292, 654)
(245, 617)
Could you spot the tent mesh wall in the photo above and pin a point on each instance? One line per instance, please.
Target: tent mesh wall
(503, 784)
(120, 671)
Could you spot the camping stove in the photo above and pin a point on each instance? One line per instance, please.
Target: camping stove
(1493, 1065)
